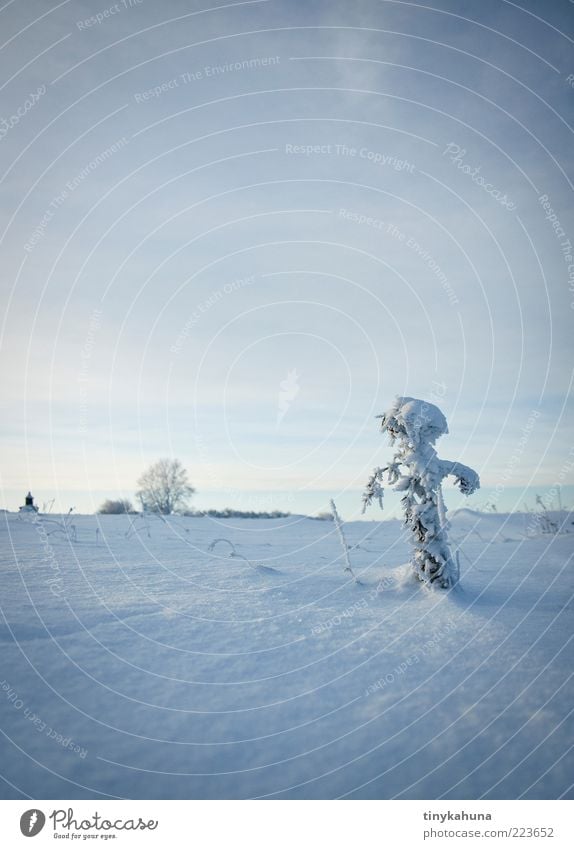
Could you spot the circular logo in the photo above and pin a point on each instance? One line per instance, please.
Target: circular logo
(32, 822)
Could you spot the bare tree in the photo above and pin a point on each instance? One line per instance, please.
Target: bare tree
(164, 487)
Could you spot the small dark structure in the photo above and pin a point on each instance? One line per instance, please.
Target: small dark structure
(29, 506)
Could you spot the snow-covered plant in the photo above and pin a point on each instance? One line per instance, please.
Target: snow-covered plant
(213, 543)
(139, 523)
(63, 526)
(342, 540)
(414, 426)
(547, 526)
(374, 489)
(234, 553)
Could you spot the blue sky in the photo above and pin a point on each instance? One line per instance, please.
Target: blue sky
(231, 234)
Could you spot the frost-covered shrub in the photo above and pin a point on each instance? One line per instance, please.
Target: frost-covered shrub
(414, 426)
(116, 506)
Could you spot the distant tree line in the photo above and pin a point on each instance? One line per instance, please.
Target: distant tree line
(230, 513)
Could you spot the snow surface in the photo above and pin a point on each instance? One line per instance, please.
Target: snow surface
(139, 666)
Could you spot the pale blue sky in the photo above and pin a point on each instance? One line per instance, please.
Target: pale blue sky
(171, 253)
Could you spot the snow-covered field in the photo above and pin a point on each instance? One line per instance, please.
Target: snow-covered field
(143, 665)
